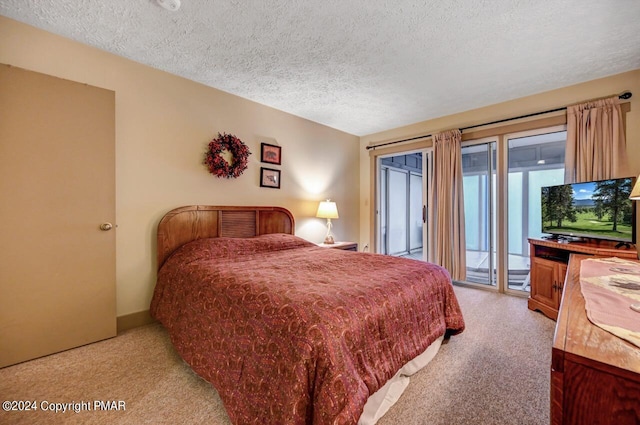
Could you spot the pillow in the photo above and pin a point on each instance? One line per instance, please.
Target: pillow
(227, 248)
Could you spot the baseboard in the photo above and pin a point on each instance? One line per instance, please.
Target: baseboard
(134, 320)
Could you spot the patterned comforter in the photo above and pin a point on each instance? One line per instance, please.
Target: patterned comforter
(291, 333)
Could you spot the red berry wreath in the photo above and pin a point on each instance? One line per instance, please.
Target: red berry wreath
(217, 165)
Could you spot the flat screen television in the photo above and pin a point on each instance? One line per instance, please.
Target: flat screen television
(591, 210)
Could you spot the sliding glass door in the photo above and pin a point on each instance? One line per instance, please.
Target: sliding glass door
(512, 169)
(400, 205)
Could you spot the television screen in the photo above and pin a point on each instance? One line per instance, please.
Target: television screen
(593, 210)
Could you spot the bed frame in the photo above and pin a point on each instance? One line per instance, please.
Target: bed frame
(188, 223)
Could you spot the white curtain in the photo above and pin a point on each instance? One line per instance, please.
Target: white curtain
(596, 147)
(446, 214)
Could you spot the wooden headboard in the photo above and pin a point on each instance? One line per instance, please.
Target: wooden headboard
(192, 222)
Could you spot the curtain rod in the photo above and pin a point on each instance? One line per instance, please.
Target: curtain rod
(625, 95)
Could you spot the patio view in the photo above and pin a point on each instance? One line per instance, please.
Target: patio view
(533, 161)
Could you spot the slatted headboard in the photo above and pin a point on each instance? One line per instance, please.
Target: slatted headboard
(192, 222)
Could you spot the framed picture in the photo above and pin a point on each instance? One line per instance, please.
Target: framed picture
(269, 178)
(270, 153)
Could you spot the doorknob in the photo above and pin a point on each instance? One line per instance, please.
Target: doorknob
(106, 226)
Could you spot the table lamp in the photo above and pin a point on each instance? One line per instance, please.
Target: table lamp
(328, 209)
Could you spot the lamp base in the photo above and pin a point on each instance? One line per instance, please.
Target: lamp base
(329, 240)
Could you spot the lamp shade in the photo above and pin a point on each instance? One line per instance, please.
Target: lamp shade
(635, 193)
(327, 209)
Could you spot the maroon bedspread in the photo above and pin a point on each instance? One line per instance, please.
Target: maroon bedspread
(291, 333)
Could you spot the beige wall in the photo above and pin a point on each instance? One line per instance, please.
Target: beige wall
(163, 125)
(531, 104)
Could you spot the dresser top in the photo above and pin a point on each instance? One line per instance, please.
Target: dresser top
(600, 248)
(585, 342)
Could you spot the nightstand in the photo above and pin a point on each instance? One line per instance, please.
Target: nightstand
(347, 246)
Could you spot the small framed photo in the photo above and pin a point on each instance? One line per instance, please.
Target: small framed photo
(271, 154)
(269, 178)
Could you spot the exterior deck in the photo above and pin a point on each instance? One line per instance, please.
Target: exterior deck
(478, 269)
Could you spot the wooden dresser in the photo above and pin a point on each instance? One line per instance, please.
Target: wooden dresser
(595, 376)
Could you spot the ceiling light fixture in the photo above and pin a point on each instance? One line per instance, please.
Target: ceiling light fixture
(171, 5)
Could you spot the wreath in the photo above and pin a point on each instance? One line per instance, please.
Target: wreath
(217, 165)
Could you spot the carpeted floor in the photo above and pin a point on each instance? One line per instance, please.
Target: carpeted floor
(496, 372)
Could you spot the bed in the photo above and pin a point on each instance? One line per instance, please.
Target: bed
(289, 332)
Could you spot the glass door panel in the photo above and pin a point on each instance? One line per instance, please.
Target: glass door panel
(535, 160)
(397, 212)
(400, 205)
(382, 211)
(415, 212)
(478, 170)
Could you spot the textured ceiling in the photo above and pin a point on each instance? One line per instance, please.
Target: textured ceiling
(361, 66)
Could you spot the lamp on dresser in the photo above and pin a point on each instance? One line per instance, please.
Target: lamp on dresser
(328, 209)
